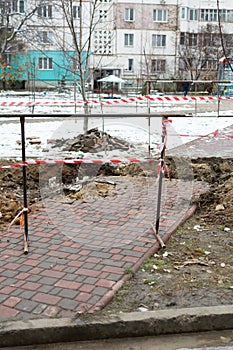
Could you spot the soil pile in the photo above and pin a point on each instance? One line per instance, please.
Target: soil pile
(216, 205)
(93, 141)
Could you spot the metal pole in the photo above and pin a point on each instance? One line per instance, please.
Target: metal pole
(25, 212)
(163, 147)
(149, 134)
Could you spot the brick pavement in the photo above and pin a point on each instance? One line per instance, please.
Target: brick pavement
(80, 251)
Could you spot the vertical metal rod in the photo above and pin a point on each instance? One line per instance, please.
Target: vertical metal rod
(22, 122)
(160, 185)
(149, 136)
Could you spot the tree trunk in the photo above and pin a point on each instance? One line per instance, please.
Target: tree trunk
(85, 122)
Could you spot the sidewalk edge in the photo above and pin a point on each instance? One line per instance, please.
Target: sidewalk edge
(94, 327)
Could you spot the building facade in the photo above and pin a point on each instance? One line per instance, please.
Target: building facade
(137, 40)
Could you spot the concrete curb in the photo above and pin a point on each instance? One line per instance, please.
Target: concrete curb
(93, 327)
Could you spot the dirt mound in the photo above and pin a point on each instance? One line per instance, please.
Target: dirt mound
(217, 203)
(92, 141)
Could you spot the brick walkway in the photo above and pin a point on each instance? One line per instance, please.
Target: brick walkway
(80, 251)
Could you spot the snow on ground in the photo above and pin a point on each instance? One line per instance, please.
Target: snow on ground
(129, 123)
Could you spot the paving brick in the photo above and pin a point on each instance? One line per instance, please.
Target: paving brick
(86, 288)
(68, 304)
(33, 278)
(68, 293)
(113, 269)
(9, 273)
(31, 262)
(113, 277)
(11, 301)
(70, 270)
(46, 288)
(39, 309)
(31, 286)
(52, 273)
(7, 290)
(88, 272)
(68, 284)
(83, 297)
(105, 283)
(2, 279)
(26, 306)
(12, 266)
(48, 281)
(46, 298)
(28, 294)
(7, 312)
(90, 280)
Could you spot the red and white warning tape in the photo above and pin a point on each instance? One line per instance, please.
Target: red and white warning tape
(80, 161)
(164, 98)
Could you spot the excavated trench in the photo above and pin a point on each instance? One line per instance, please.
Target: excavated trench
(217, 172)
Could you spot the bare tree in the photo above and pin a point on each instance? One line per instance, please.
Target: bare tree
(12, 21)
(81, 19)
(199, 52)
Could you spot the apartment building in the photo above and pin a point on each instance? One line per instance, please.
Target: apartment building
(138, 40)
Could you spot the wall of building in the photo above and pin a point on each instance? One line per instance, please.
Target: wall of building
(155, 26)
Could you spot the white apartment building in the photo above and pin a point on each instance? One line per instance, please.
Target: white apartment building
(151, 38)
(138, 40)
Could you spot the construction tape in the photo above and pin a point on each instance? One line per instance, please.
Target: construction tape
(80, 161)
(100, 101)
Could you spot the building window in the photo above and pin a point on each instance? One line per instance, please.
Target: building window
(129, 38)
(158, 40)
(226, 15)
(209, 15)
(129, 14)
(45, 37)
(12, 6)
(45, 63)
(193, 14)
(130, 64)
(45, 11)
(230, 16)
(160, 15)
(188, 39)
(76, 12)
(210, 64)
(182, 38)
(192, 39)
(158, 66)
(183, 12)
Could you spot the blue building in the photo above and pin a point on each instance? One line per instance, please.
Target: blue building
(41, 69)
(225, 72)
